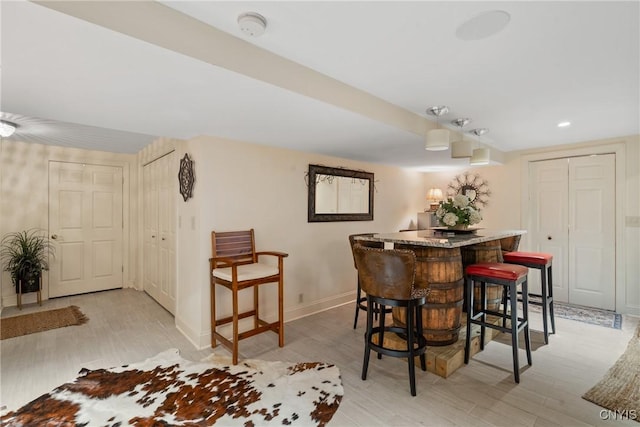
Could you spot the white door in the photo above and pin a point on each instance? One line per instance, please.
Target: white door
(85, 223)
(548, 231)
(592, 231)
(159, 258)
(573, 217)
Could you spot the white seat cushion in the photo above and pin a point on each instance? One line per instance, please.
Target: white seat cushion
(246, 272)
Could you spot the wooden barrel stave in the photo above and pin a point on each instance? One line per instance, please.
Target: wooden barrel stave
(440, 270)
(485, 252)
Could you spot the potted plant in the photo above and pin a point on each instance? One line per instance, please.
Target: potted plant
(458, 212)
(24, 254)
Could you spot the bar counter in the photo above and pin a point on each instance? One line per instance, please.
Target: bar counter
(436, 238)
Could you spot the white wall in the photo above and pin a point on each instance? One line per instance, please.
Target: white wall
(508, 187)
(24, 198)
(241, 186)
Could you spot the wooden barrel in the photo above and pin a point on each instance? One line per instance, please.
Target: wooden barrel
(440, 270)
(510, 244)
(484, 252)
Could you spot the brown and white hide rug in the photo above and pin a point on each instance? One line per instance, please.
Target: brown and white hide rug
(167, 390)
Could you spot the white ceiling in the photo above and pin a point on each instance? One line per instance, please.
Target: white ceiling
(555, 61)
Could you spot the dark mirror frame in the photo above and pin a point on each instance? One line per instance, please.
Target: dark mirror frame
(315, 170)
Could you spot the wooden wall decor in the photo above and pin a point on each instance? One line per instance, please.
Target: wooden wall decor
(186, 177)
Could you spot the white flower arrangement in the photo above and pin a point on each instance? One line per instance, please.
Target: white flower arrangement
(458, 211)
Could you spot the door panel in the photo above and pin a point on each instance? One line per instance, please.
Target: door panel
(549, 232)
(573, 217)
(159, 271)
(592, 229)
(85, 222)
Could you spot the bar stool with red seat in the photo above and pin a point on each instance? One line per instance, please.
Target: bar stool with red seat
(543, 262)
(509, 276)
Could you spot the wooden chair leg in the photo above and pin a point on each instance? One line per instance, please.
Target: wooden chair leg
(256, 307)
(234, 342)
(281, 312)
(213, 316)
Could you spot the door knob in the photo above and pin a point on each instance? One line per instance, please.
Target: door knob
(153, 237)
(548, 237)
(54, 237)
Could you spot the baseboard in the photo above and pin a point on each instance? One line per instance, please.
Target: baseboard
(305, 310)
(202, 340)
(199, 340)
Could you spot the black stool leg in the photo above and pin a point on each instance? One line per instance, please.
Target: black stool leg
(358, 296)
(545, 304)
(550, 285)
(420, 335)
(368, 335)
(380, 308)
(513, 295)
(410, 347)
(483, 310)
(525, 320)
(469, 299)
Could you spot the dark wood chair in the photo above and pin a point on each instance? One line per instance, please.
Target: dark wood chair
(235, 265)
(361, 301)
(388, 278)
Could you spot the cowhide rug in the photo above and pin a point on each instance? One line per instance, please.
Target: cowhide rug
(169, 390)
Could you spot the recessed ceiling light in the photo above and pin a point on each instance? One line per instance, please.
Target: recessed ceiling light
(483, 25)
(564, 124)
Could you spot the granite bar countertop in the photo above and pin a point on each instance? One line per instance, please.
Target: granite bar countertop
(441, 238)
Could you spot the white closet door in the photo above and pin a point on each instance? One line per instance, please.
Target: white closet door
(549, 232)
(592, 231)
(573, 217)
(159, 258)
(85, 224)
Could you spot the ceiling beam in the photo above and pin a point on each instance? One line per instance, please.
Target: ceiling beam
(162, 26)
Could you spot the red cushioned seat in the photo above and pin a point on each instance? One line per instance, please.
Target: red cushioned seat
(497, 270)
(538, 258)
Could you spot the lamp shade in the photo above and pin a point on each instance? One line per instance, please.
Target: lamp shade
(7, 128)
(480, 157)
(434, 194)
(461, 149)
(437, 140)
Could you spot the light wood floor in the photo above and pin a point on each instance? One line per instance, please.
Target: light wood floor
(127, 326)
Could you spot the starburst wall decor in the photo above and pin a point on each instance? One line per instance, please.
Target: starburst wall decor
(472, 186)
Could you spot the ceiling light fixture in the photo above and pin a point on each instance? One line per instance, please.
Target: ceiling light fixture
(480, 156)
(564, 124)
(437, 139)
(462, 148)
(483, 25)
(7, 128)
(252, 23)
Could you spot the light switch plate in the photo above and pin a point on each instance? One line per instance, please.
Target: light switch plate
(632, 221)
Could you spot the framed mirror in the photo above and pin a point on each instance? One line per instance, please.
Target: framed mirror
(337, 194)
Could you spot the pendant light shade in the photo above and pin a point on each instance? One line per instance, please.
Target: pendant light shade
(461, 149)
(437, 139)
(479, 157)
(7, 128)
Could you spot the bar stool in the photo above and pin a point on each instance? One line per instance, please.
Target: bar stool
(543, 262)
(387, 277)
(361, 301)
(509, 276)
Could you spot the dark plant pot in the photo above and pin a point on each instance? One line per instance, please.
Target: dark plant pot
(29, 282)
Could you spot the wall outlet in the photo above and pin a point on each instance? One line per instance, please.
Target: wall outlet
(632, 221)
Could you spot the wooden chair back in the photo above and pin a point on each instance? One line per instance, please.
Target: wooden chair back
(236, 245)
